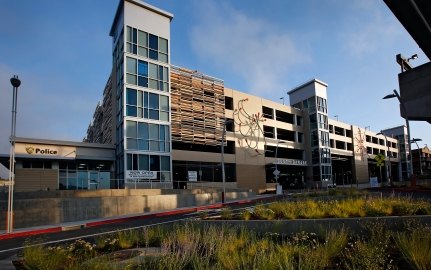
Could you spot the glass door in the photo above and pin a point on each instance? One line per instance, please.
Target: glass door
(93, 180)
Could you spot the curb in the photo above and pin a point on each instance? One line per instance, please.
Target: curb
(142, 216)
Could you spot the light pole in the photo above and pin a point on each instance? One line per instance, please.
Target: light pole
(276, 171)
(404, 111)
(282, 99)
(416, 140)
(389, 155)
(15, 83)
(223, 175)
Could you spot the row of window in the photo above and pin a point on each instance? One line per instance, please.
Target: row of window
(375, 151)
(322, 155)
(155, 163)
(147, 137)
(375, 140)
(340, 131)
(282, 134)
(146, 74)
(341, 145)
(321, 135)
(281, 116)
(146, 45)
(322, 173)
(147, 105)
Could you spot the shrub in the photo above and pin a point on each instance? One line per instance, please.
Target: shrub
(128, 238)
(416, 247)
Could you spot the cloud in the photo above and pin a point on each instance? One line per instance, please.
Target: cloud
(51, 110)
(250, 47)
(365, 38)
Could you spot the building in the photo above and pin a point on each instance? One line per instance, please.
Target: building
(163, 126)
(401, 134)
(422, 161)
(52, 165)
(169, 123)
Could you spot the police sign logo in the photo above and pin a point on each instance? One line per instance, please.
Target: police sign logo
(29, 149)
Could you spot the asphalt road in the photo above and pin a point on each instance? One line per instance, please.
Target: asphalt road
(13, 246)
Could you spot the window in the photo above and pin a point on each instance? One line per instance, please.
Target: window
(147, 137)
(228, 103)
(300, 137)
(298, 120)
(230, 125)
(310, 104)
(285, 135)
(267, 112)
(324, 138)
(321, 104)
(284, 117)
(313, 121)
(146, 45)
(325, 155)
(268, 132)
(146, 74)
(340, 145)
(159, 164)
(339, 131)
(323, 121)
(147, 105)
(314, 138)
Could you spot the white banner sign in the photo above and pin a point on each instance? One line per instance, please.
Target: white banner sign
(374, 182)
(193, 176)
(141, 175)
(284, 161)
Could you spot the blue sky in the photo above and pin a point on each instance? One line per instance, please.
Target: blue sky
(61, 51)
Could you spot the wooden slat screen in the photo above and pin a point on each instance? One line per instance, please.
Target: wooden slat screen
(197, 105)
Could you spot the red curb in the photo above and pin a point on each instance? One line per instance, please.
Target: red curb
(28, 233)
(145, 216)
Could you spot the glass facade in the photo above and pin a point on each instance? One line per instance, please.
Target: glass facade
(143, 106)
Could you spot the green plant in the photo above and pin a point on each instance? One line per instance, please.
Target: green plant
(226, 213)
(127, 238)
(416, 247)
(369, 252)
(263, 212)
(246, 214)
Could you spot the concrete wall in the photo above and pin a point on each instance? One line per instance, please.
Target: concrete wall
(36, 179)
(101, 204)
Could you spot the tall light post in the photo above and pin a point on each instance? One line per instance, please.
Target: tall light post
(223, 175)
(389, 155)
(276, 171)
(404, 111)
(416, 140)
(15, 83)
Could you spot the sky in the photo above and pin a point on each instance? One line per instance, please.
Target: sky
(61, 51)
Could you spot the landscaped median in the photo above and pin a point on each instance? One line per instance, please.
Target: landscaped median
(267, 243)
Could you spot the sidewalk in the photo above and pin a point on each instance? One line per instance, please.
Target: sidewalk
(24, 232)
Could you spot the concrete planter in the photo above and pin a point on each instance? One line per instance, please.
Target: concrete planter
(353, 225)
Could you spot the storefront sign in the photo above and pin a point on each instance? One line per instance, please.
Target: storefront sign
(141, 175)
(193, 176)
(45, 150)
(295, 162)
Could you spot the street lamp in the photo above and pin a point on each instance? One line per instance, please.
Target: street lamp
(223, 175)
(404, 111)
(416, 140)
(276, 171)
(282, 99)
(15, 83)
(389, 155)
